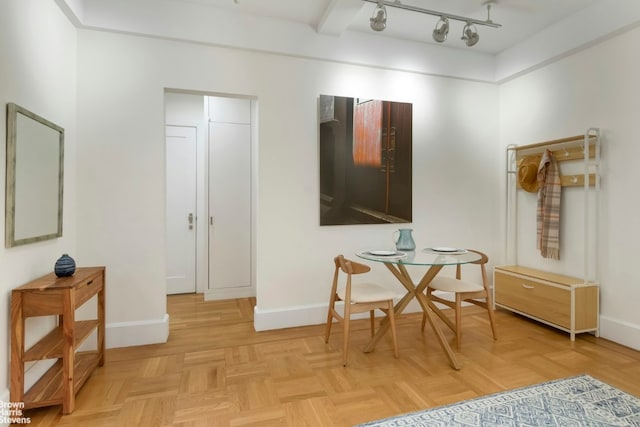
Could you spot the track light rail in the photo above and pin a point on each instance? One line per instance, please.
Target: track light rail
(488, 22)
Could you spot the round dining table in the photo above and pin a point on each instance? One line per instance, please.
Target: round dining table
(433, 258)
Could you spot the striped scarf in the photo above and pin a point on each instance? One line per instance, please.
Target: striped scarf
(548, 212)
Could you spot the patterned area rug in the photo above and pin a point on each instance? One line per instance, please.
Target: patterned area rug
(576, 401)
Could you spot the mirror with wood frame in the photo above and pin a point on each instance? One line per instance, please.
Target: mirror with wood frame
(34, 182)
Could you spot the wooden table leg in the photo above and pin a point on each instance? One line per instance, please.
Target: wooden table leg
(68, 352)
(401, 273)
(429, 309)
(101, 325)
(17, 348)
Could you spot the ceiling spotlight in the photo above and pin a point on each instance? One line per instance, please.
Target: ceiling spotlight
(470, 34)
(379, 17)
(441, 30)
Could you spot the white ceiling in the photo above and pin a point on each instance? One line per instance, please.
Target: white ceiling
(520, 19)
(533, 32)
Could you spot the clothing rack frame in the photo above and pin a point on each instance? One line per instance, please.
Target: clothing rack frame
(584, 147)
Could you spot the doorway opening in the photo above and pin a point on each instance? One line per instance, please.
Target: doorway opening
(211, 141)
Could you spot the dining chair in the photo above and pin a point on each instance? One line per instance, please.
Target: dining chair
(464, 290)
(358, 298)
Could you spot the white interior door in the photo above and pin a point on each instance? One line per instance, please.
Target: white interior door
(181, 209)
(229, 205)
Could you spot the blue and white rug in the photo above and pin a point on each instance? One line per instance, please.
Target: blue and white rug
(576, 401)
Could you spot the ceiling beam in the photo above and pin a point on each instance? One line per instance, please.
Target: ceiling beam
(338, 16)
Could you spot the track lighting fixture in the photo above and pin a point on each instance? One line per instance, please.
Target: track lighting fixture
(379, 18)
(441, 30)
(470, 35)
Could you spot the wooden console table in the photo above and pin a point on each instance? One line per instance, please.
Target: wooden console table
(61, 296)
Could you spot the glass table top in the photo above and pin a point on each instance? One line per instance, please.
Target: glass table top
(424, 256)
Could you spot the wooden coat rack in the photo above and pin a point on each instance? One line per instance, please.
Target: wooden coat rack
(565, 149)
(585, 148)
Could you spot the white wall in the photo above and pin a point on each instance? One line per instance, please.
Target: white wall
(455, 136)
(121, 221)
(602, 19)
(37, 72)
(596, 87)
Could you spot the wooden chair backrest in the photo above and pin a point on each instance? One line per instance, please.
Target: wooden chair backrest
(348, 267)
(482, 262)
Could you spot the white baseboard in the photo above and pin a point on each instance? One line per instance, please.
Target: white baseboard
(128, 334)
(229, 293)
(621, 332)
(264, 320)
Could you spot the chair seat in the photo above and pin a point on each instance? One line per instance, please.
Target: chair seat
(475, 293)
(367, 292)
(450, 284)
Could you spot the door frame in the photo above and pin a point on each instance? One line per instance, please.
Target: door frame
(202, 191)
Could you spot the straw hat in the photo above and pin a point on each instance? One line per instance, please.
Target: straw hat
(528, 174)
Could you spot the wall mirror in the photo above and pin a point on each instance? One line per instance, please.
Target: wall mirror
(34, 183)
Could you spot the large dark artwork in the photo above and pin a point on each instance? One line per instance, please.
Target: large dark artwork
(365, 161)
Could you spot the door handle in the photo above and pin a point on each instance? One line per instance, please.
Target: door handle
(190, 220)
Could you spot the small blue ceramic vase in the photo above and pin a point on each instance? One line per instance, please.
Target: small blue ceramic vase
(65, 266)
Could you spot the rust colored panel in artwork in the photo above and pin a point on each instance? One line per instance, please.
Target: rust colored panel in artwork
(367, 129)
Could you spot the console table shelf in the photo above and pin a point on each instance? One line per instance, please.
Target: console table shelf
(60, 296)
(50, 347)
(48, 390)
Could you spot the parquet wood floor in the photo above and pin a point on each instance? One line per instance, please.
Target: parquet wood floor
(216, 371)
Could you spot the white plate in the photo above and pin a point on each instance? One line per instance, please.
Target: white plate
(383, 253)
(445, 249)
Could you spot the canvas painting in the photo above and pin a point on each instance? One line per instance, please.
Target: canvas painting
(365, 161)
